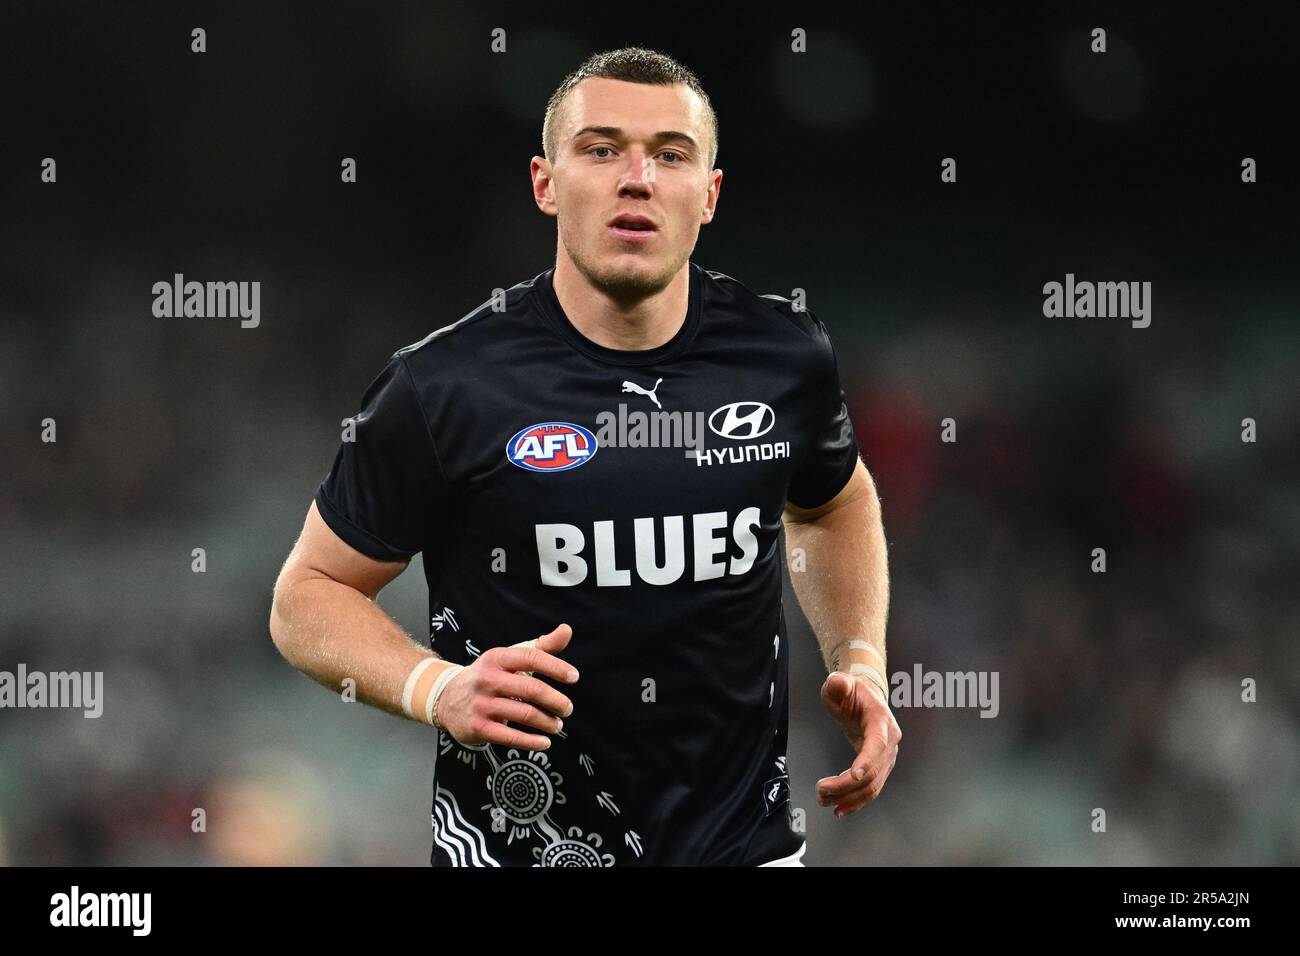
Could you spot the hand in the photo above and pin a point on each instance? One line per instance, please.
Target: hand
(499, 686)
(874, 733)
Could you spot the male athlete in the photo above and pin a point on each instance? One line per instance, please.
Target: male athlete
(596, 465)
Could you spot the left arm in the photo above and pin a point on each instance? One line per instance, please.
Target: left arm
(844, 592)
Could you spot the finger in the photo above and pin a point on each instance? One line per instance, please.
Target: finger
(837, 690)
(868, 764)
(860, 798)
(537, 660)
(848, 782)
(557, 640)
(876, 726)
(533, 691)
(495, 732)
(850, 699)
(872, 788)
(835, 789)
(846, 807)
(552, 642)
(874, 752)
(504, 709)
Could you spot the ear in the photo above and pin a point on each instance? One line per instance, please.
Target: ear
(543, 184)
(711, 197)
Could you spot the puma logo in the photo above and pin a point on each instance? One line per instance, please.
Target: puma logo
(648, 393)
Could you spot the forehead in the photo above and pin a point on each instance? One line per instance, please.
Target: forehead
(635, 107)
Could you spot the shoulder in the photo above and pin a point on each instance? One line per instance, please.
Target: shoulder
(493, 321)
(805, 332)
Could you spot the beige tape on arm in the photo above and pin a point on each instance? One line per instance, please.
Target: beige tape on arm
(422, 688)
(431, 709)
(858, 645)
(857, 658)
(870, 673)
(408, 690)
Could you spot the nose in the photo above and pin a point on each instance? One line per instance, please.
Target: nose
(638, 175)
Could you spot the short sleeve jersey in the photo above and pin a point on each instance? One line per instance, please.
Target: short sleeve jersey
(637, 496)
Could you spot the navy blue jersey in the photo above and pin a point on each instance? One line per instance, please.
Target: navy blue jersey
(637, 496)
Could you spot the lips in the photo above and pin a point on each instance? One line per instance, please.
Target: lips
(634, 222)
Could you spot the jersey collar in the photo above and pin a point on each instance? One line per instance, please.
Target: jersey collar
(560, 324)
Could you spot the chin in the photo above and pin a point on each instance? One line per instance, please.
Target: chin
(629, 279)
(634, 284)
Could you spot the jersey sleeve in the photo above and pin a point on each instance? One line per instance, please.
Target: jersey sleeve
(386, 486)
(832, 454)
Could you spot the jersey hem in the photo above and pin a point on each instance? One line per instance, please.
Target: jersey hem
(840, 484)
(358, 538)
(792, 860)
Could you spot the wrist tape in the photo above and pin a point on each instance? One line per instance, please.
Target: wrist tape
(431, 709)
(857, 662)
(427, 709)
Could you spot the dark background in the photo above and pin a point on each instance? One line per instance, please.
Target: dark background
(1119, 690)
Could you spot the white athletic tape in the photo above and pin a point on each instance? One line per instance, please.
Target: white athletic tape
(447, 674)
(867, 671)
(856, 645)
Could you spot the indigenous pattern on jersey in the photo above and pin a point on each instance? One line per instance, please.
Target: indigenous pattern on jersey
(637, 496)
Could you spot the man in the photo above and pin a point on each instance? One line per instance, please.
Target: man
(512, 449)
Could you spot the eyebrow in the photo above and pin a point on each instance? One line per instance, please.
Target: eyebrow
(660, 137)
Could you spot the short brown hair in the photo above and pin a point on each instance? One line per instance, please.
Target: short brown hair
(633, 64)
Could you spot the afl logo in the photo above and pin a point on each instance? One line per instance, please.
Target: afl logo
(551, 446)
(742, 420)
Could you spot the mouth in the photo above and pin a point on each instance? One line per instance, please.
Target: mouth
(633, 227)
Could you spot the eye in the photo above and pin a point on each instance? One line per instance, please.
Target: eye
(669, 152)
(595, 148)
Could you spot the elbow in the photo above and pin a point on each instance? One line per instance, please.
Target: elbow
(278, 623)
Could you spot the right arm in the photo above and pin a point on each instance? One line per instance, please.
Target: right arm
(325, 622)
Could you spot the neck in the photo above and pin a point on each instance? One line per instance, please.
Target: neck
(615, 324)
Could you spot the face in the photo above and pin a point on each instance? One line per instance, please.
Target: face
(629, 150)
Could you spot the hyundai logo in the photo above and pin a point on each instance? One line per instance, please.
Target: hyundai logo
(742, 420)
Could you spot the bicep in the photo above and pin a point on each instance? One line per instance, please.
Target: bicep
(319, 552)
